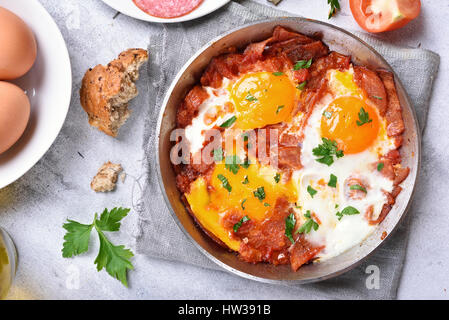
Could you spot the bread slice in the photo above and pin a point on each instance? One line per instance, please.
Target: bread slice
(106, 90)
(106, 178)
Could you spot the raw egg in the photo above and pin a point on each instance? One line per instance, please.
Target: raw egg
(18, 47)
(14, 114)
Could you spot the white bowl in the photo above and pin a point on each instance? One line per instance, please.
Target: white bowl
(48, 86)
(128, 8)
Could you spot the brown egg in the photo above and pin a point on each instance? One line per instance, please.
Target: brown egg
(14, 114)
(18, 48)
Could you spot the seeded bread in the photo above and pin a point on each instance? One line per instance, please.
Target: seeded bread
(106, 90)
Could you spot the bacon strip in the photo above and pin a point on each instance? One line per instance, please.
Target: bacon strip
(394, 112)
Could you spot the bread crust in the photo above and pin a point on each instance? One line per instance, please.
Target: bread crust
(106, 90)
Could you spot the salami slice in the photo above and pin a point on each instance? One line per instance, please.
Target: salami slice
(167, 8)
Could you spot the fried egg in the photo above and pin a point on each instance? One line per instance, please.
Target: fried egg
(344, 115)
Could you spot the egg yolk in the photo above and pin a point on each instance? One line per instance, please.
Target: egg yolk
(262, 99)
(251, 191)
(352, 123)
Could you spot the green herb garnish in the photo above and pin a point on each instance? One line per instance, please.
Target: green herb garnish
(232, 163)
(250, 97)
(376, 97)
(309, 224)
(279, 109)
(335, 5)
(277, 74)
(290, 223)
(228, 122)
(224, 182)
(242, 204)
(380, 166)
(332, 181)
(277, 177)
(348, 211)
(266, 204)
(260, 193)
(116, 259)
(363, 117)
(358, 187)
(302, 85)
(239, 224)
(311, 191)
(246, 181)
(302, 64)
(326, 152)
(218, 154)
(327, 114)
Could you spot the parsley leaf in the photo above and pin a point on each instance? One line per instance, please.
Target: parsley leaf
(335, 5)
(327, 114)
(116, 259)
(266, 204)
(332, 181)
(309, 224)
(290, 223)
(76, 238)
(218, 154)
(260, 193)
(242, 204)
(278, 73)
(224, 182)
(277, 177)
(110, 220)
(376, 97)
(228, 122)
(250, 97)
(239, 224)
(302, 64)
(358, 187)
(245, 163)
(246, 181)
(311, 191)
(326, 151)
(380, 166)
(279, 109)
(363, 117)
(232, 163)
(302, 85)
(347, 211)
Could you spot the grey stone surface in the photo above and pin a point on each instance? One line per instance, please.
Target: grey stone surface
(34, 208)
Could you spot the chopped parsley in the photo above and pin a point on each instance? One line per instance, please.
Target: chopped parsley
(363, 117)
(309, 224)
(224, 182)
(239, 224)
(242, 204)
(246, 181)
(260, 193)
(326, 152)
(302, 64)
(279, 109)
(380, 166)
(335, 5)
(232, 164)
(245, 164)
(228, 122)
(277, 177)
(376, 97)
(327, 114)
(290, 223)
(277, 74)
(358, 187)
(348, 211)
(302, 85)
(266, 204)
(311, 191)
(218, 154)
(332, 181)
(250, 97)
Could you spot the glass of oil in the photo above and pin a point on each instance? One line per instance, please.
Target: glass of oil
(8, 262)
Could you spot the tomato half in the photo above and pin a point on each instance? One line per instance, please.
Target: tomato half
(384, 15)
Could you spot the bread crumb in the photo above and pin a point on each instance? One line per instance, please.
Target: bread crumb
(106, 178)
(123, 177)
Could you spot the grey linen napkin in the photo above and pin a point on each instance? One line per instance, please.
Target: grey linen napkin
(160, 237)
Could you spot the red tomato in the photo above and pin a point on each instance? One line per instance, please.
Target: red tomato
(384, 15)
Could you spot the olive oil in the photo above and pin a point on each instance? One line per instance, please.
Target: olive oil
(5, 269)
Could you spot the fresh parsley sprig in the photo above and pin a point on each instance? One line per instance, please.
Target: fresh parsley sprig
(326, 152)
(348, 211)
(290, 223)
(116, 259)
(309, 224)
(335, 5)
(242, 221)
(363, 117)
